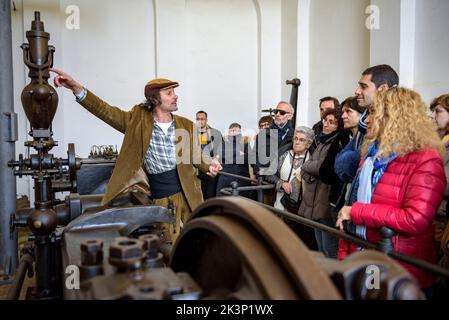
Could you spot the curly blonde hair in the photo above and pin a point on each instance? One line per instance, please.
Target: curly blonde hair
(400, 124)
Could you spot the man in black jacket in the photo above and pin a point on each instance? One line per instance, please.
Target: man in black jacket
(269, 141)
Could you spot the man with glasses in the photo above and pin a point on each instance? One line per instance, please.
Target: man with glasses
(210, 140)
(282, 123)
(272, 141)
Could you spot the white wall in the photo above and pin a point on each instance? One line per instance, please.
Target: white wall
(213, 48)
(432, 48)
(112, 55)
(231, 57)
(216, 60)
(339, 50)
(385, 44)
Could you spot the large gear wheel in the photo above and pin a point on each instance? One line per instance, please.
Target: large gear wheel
(236, 249)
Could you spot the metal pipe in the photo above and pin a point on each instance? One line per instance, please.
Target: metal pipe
(26, 264)
(249, 188)
(238, 177)
(234, 186)
(8, 136)
(44, 269)
(294, 97)
(432, 268)
(259, 191)
(94, 161)
(229, 191)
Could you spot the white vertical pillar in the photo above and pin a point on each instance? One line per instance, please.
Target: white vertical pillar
(407, 43)
(394, 42)
(171, 35)
(289, 63)
(384, 41)
(303, 61)
(270, 52)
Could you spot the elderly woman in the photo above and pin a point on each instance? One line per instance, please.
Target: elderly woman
(315, 203)
(288, 180)
(401, 181)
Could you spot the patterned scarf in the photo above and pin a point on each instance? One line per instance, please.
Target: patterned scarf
(362, 124)
(367, 179)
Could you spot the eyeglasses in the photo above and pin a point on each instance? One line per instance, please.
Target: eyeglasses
(331, 122)
(302, 140)
(281, 112)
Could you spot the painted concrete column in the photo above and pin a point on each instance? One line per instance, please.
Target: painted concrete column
(8, 136)
(303, 61)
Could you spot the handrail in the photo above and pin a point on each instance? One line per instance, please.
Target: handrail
(432, 268)
(25, 266)
(233, 175)
(386, 233)
(234, 190)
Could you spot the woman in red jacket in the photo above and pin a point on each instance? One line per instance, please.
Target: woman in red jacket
(401, 181)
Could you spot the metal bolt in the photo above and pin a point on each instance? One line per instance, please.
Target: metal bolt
(125, 253)
(152, 244)
(91, 252)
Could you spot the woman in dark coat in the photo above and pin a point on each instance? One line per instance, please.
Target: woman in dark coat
(315, 203)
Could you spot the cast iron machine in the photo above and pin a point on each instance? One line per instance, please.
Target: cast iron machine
(40, 102)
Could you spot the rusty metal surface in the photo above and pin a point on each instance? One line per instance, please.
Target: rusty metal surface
(93, 178)
(106, 225)
(155, 284)
(352, 277)
(261, 249)
(124, 219)
(39, 99)
(232, 248)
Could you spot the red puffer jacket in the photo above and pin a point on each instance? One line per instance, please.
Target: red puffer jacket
(406, 200)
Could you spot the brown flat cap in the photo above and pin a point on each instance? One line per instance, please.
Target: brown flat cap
(157, 84)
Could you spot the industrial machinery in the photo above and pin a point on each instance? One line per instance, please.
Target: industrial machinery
(232, 248)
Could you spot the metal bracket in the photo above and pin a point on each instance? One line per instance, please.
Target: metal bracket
(13, 134)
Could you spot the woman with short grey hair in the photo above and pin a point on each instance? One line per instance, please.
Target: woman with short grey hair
(288, 179)
(309, 134)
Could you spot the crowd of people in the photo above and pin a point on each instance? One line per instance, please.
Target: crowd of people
(378, 159)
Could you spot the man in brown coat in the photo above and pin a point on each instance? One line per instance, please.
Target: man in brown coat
(158, 155)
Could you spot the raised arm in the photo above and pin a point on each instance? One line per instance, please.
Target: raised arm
(113, 116)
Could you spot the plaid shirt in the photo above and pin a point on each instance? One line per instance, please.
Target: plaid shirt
(161, 154)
